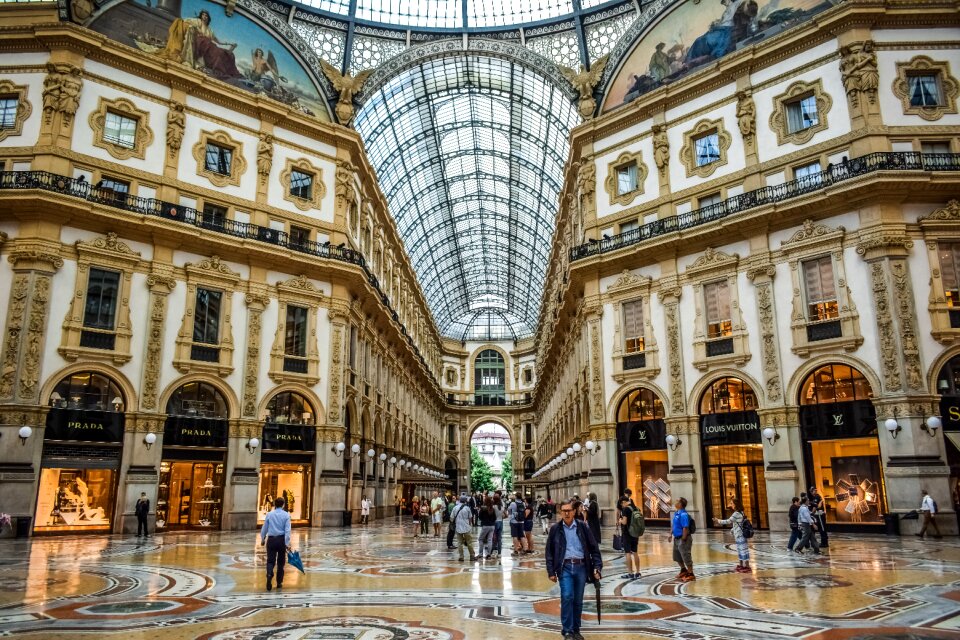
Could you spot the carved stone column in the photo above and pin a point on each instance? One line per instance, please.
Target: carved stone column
(257, 300)
(332, 485)
(242, 477)
(161, 283)
(139, 469)
(34, 265)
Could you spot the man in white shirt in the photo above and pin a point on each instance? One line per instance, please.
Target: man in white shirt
(275, 533)
(365, 505)
(462, 516)
(806, 522)
(929, 510)
(436, 512)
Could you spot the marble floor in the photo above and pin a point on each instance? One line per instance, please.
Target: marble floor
(376, 583)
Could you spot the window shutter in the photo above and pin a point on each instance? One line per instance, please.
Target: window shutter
(811, 277)
(827, 288)
(633, 319)
(717, 298)
(948, 266)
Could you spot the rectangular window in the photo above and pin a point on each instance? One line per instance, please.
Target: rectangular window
(709, 201)
(120, 130)
(206, 316)
(301, 185)
(802, 113)
(219, 159)
(103, 290)
(939, 146)
(950, 271)
(808, 174)
(627, 179)
(717, 300)
(924, 90)
(528, 434)
(633, 326)
(295, 339)
(452, 435)
(111, 189)
(213, 216)
(820, 289)
(707, 149)
(8, 112)
(299, 237)
(528, 376)
(629, 226)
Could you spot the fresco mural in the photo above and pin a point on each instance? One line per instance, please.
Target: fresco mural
(232, 48)
(696, 33)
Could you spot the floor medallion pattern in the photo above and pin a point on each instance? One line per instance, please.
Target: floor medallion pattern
(376, 583)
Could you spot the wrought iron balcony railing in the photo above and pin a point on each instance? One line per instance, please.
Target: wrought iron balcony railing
(80, 188)
(870, 163)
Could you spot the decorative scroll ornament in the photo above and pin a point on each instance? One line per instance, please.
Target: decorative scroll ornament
(347, 86)
(584, 82)
(950, 211)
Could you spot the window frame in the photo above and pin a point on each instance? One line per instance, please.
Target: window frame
(612, 182)
(830, 313)
(630, 287)
(948, 86)
(318, 190)
(143, 135)
(297, 293)
(795, 93)
(215, 275)
(941, 226)
(688, 152)
(222, 140)
(709, 269)
(119, 139)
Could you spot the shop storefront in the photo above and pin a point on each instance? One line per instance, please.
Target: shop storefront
(948, 386)
(190, 494)
(838, 426)
(286, 462)
(730, 435)
(83, 442)
(642, 450)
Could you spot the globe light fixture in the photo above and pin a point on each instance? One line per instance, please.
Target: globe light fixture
(149, 439)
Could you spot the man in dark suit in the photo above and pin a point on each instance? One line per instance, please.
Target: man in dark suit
(142, 510)
(573, 560)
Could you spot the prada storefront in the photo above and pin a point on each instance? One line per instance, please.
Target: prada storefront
(642, 447)
(286, 461)
(733, 451)
(948, 386)
(838, 426)
(190, 494)
(82, 445)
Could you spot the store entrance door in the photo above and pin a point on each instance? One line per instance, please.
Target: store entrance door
(189, 494)
(736, 471)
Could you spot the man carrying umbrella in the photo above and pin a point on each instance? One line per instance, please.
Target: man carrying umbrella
(276, 535)
(573, 560)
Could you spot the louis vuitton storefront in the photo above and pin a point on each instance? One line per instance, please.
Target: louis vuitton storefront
(190, 493)
(642, 447)
(286, 463)
(82, 447)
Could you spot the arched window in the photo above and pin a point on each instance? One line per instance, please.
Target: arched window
(948, 381)
(640, 404)
(835, 383)
(727, 395)
(88, 391)
(528, 468)
(198, 400)
(289, 407)
(489, 378)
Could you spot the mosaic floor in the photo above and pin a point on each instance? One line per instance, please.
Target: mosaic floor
(374, 584)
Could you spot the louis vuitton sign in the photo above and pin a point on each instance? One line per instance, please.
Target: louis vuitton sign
(736, 427)
(854, 419)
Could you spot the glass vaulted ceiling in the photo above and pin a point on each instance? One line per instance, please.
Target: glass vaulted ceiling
(469, 151)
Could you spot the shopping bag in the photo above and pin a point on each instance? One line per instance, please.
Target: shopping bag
(293, 559)
(617, 542)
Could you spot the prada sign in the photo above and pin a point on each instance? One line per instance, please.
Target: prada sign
(641, 435)
(80, 425)
(289, 437)
(950, 412)
(737, 427)
(195, 432)
(855, 419)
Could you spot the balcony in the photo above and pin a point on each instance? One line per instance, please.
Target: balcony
(483, 401)
(81, 189)
(98, 339)
(835, 173)
(295, 364)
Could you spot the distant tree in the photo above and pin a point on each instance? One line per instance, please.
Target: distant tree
(506, 472)
(481, 475)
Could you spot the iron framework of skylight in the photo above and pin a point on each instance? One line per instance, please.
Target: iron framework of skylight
(469, 151)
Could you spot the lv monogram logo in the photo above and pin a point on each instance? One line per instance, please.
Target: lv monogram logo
(838, 420)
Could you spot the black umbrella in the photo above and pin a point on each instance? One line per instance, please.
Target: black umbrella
(596, 586)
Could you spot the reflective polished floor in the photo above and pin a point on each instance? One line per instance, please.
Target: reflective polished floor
(372, 583)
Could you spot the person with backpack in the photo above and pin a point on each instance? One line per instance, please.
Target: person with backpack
(682, 534)
(928, 507)
(632, 526)
(742, 531)
(794, 524)
(488, 519)
(462, 517)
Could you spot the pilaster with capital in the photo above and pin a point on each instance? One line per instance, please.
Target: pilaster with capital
(161, 283)
(762, 278)
(670, 292)
(257, 300)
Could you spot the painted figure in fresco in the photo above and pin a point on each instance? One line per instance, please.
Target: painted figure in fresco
(265, 71)
(659, 63)
(193, 42)
(735, 24)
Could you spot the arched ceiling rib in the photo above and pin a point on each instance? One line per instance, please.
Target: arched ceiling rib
(469, 150)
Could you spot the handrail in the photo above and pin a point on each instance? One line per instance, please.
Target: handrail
(878, 161)
(80, 188)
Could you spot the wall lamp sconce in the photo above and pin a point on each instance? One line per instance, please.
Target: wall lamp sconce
(674, 442)
(252, 445)
(383, 458)
(933, 423)
(893, 427)
(149, 439)
(355, 450)
(771, 435)
(564, 456)
(409, 464)
(117, 404)
(24, 433)
(593, 448)
(569, 452)
(339, 448)
(371, 453)
(393, 461)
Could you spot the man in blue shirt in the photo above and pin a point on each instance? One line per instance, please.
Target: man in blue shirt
(275, 533)
(573, 560)
(683, 542)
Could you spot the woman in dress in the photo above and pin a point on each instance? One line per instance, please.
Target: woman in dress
(415, 512)
(192, 42)
(736, 523)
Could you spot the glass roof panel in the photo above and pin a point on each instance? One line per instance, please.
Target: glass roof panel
(470, 152)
